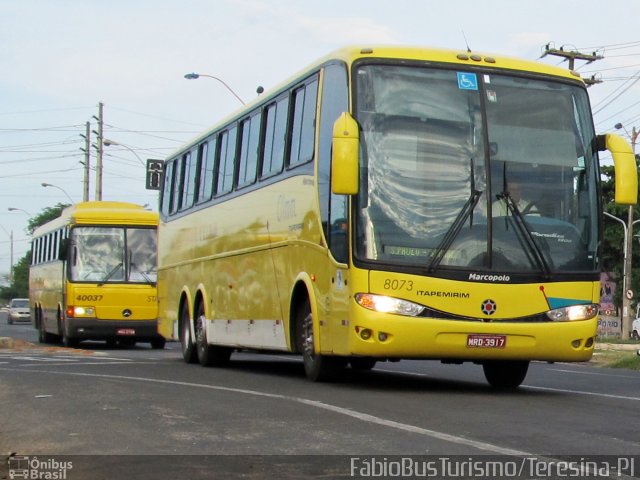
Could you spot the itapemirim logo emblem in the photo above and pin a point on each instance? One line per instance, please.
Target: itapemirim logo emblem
(489, 307)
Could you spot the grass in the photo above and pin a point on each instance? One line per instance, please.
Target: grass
(617, 358)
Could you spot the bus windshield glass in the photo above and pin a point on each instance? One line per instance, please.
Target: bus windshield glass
(475, 170)
(112, 254)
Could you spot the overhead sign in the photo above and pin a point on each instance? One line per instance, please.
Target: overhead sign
(154, 174)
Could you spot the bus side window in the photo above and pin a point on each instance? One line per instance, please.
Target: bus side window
(207, 164)
(167, 188)
(226, 160)
(303, 123)
(178, 179)
(186, 175)
(275, 137)
(249, 145)
(190, 179)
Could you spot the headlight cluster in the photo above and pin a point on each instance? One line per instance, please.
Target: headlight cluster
(573, 313)
(384, 304)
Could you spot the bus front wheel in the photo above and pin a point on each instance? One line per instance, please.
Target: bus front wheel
(505, 374)
(317, 367)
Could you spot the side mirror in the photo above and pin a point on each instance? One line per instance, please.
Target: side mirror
(626, 169)
(345, 153)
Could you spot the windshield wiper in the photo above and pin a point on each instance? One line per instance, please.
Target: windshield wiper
(466, 212)
(134, 267)
(521, 226)
(110, 274)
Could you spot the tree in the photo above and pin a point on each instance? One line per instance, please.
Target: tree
(19, 287)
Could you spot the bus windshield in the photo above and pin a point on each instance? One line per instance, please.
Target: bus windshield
(477, 170)
(113, 254)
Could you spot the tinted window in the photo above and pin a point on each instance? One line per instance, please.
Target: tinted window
(178, 178)
(207, 162)
(303, 124)
(167, 188)
(275, 137)
(227, 161)
(249, 150)
(189, 184)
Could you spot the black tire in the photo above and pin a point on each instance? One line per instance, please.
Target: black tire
(158, 343)
(209, 355)
(635, 335)
(189, 353)
(43, 335)
(317, 367)
(505, 374)
(362, 363)
(67, 341)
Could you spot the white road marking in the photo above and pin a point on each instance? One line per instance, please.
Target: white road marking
(365, 417)
(532, 387)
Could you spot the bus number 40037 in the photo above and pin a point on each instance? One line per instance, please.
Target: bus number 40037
(486, 341)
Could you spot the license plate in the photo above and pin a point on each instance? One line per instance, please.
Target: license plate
(126, 331)
(486, 341)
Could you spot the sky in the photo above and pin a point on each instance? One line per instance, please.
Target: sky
(60, 59)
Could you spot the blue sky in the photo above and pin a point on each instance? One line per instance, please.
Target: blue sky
(59, 59)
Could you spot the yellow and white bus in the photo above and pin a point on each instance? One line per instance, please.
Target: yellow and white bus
(367, 210)
(93, 275)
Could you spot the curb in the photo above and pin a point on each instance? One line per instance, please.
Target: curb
(631, 347)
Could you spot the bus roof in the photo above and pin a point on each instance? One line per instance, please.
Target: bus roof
(100, 213)
(350, 54)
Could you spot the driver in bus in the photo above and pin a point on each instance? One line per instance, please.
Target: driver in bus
(514, 190)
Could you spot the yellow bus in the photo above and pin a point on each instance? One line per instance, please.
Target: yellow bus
(371, 208)
(93, 275)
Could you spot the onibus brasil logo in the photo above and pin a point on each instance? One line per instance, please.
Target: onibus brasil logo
(40, 469)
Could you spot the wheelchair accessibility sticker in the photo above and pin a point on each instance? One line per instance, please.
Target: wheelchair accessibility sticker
(467, 81)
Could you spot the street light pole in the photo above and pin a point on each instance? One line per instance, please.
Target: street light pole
(628, 251)
(10, 234)
(194, 76)
(108, 143)
(59, 188)
(13, 209)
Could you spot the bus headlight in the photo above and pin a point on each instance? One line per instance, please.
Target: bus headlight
(572, 313)
(384, 304)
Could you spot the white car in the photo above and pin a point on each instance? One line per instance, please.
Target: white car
(18, 310)
(635, 330)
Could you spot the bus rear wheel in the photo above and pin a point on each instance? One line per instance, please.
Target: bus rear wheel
(209, 355)
(317, 367)
(505, 374)
(187, 344)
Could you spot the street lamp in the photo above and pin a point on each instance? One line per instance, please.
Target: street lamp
(194, 76)
(59, 188)
(13, 209)
(628, 249)
(107, 143)
(10, 234)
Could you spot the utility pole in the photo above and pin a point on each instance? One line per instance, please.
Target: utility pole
(87, 161)
(571, 55)
(100, 148)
